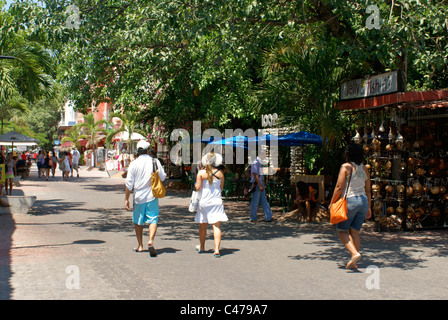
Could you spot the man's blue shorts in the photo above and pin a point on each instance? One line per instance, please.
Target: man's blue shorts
(146, 212)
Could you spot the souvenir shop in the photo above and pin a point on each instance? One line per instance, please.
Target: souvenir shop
(405, 139)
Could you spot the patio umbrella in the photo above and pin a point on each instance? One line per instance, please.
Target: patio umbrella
(299, 139)
(134, 136)
(292, 139)
(236, 141)
(16, 139)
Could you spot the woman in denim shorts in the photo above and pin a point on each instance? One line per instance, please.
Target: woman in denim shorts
(358, 201)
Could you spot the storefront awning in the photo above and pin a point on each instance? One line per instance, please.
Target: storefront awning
(411, 99)
(68, 144)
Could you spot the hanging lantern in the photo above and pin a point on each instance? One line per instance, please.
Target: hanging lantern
(376, 190)
(399, 141)
(420, 172)
(389, 165)
(357, 138)
(418, 188)
(435, 212)
(376, 144)
(366, 148)
(435, 190)
(419, 212)
(409, 191)
(389, 188)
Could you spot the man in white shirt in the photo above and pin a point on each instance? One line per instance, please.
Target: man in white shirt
(146, 206)
(75, 160)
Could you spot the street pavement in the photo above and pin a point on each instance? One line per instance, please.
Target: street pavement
(76, 244)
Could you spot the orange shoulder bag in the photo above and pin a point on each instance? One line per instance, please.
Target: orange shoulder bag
(338, 209)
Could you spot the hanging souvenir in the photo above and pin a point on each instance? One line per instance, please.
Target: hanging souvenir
(417, 189)
(409, 191)
(401, 189)
(376, 191)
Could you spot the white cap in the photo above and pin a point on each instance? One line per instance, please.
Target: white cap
(143, 144)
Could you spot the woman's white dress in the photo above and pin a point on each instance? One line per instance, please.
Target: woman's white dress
(210, 207)
(66, 165)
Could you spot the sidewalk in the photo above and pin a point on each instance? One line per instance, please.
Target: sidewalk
(79, 233)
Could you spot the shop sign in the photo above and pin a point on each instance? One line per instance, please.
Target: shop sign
(369, 87)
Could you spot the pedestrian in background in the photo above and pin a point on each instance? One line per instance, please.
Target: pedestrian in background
(10, 170)
(64, 166)
(210, 183)
(40, 161)
(75, 161)
(259, 193)
(3, 179)
(146, 206)
(358, 201)
(305, 200)
(54, 162)
(47, 164)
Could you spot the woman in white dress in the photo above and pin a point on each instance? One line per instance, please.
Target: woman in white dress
(65, 166)
(210, 208)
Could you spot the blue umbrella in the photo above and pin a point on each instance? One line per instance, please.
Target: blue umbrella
(292, 139)
(299, 139)
(236, 141)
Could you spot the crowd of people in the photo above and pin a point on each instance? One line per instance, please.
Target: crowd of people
(210, 209)
(209, 184)
(16, 164)
(67, 162)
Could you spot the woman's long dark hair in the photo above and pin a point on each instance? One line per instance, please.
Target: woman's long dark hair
(354, 153)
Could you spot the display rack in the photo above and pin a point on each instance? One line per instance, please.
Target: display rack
(408, 174)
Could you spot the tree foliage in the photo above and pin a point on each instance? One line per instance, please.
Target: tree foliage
(184, 60)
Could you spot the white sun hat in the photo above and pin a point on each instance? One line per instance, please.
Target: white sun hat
(213, 159)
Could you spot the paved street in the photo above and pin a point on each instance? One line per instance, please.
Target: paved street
(79, 233)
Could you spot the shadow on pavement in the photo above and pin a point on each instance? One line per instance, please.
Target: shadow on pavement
(54, 206)
(403, 250)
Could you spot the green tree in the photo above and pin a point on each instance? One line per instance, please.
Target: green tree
(28, 72)
(25, 75)
(15, 105)
(93, 130)
(130, 123)
(201, 60)
(73, 135)
(305, 82)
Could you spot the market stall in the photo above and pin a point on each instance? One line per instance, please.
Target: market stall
(405, 140)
